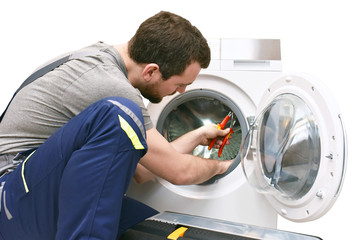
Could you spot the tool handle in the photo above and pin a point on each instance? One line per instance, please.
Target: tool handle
(224, 142)
(223, 122)
(220, 126)
(214, 140)
(212, 143)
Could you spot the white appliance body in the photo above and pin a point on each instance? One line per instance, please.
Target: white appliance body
(243, 75)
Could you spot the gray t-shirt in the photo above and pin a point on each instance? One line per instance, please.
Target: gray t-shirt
(45, 105)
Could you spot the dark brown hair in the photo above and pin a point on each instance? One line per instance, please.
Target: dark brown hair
(171, 42)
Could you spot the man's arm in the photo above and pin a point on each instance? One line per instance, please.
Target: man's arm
(186, 144)
(142, 175)
(200, 136)
(165, 161)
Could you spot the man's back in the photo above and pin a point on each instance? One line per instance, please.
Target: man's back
(48, 103)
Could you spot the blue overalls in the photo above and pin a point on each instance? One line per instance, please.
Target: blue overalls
(73, 186)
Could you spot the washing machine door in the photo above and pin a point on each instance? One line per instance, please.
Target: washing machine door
(295, 152)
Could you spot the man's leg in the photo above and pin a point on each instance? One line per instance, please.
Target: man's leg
(72, 186)
(132, 213)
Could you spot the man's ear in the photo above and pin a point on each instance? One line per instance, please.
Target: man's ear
(150, 70)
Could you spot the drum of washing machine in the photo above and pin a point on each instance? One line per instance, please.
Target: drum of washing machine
(196, 108)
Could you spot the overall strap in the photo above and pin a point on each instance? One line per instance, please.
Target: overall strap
(48, 68)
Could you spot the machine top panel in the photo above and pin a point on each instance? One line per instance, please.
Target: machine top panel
(245, 49)
(237, 54)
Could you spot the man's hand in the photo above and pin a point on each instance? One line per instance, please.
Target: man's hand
(209, 132)
(200, 136)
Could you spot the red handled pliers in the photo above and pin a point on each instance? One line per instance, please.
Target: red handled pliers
(222, 126)
(227, 137)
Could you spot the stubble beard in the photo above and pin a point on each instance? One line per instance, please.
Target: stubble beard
(150, 93)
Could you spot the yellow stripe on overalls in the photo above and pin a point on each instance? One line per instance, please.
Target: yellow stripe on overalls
(22, 172)
(130, 133)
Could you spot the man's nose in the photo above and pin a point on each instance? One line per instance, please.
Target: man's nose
(181, 89)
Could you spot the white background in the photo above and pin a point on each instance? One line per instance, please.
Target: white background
(317, 37)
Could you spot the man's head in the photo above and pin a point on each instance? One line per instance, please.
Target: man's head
(173, 44)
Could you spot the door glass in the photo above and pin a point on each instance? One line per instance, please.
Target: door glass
(281, 152)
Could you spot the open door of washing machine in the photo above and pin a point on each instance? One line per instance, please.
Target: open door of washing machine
(295, 151)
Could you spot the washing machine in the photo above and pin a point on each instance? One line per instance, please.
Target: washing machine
(288, 145)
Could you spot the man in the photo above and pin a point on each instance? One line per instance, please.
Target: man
(71, 140)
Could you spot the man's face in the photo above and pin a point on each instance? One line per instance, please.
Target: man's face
(155, 90)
